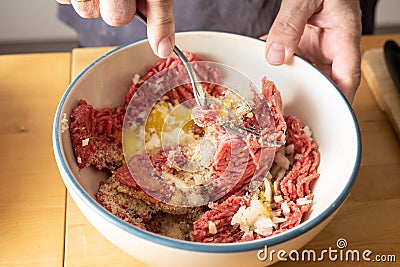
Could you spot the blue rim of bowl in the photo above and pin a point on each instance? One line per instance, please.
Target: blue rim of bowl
(187, 245)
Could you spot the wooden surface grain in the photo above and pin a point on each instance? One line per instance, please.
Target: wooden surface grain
(84, 246)
(32, 194)
(33, 202)
(382, 86)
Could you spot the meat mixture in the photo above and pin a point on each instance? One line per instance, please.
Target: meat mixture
(242, 212)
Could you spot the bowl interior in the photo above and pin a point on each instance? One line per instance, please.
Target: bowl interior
(305, 91)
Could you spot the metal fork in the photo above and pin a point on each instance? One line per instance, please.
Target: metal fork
(199, 94)
(201, 97)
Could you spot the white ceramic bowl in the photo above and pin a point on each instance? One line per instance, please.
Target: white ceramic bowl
(306, 93)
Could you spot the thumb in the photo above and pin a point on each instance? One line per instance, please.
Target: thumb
(287, 29)
(160, 26)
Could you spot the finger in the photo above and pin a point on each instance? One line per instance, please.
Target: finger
(160, 26)
(346, 71)
(286, 31)
(117, 12)
(263, 37)
(340, 61)
(87, 9)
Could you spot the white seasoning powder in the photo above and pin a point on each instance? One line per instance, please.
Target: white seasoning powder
(278, 198)
(303, 201)
(285, 207)
(263, 226)
(64, 123)
(268, 191)
(237, 218)
(198, 179)
(136, 78)
(307, 132)
(212, 229)
(253, 218)
(85, 142)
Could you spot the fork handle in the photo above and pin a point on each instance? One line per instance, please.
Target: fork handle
(199, 94)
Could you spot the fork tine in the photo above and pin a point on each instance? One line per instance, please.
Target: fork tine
(246, 132)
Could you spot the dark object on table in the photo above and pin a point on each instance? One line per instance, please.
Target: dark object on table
(392, 58)
(368, 8)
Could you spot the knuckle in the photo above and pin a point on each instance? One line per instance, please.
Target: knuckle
(287, 26)
(162, 12)
(87, 10)
(118, 13)
(116, 20)
(163, 21)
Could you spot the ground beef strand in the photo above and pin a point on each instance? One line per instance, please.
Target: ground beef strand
(221, 215)
(124, 177)
(120, 195)
(295, 185)
(242, 161)
(96, 136)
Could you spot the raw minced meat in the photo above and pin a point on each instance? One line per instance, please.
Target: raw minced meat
(123, 198)
(278, 204)
(293, 195)
(96, 136)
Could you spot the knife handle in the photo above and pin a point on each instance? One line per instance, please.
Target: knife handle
(392, 58)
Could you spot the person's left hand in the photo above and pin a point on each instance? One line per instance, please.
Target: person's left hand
(326, 32)
(160, 19)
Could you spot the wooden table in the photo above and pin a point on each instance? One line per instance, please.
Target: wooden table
(41, 226)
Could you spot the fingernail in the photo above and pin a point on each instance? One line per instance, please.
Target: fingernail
(164, 47)
(276, 54)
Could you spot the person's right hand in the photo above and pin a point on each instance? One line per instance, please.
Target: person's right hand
(160, 20)
(325, 32)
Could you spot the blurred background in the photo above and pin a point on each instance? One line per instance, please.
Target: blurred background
(32, 26)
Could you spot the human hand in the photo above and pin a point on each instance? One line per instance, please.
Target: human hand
(326, 32)
(160, 20)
